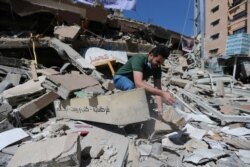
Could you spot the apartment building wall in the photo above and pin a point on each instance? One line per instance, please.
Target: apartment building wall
(216, 27)
(233, 16)
(248, 18)
(238, 17)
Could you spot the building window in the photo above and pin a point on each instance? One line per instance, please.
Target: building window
(241, 30)
(213, 51)
(216, 8)
(215, 36)
(216, 22)
(240, 15)
(237, 2)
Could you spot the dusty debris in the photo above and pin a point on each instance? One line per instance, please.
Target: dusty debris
(207, 126)
(30, 108)
(244, 155)
(204, 155)
(59, 84)
(59, 151)
(24, 92)
(67, 33)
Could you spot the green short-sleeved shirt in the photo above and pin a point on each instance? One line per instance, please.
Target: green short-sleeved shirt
(139, 63)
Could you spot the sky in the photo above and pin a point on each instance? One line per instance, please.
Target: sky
(175, 15)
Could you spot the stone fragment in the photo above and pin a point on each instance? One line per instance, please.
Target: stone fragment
(61, 151)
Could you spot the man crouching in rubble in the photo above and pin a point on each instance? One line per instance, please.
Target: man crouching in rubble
(139, 68)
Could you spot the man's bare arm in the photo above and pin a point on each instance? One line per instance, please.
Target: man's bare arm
(139, 83)
(157, 84)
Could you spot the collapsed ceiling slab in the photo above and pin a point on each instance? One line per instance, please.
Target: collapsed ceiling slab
(64, 50)
(62, 8)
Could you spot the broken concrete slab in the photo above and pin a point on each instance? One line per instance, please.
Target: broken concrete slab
(4, 159)
(67, 33)
(24, 92)
(145, 149)
(224, 79)
(174, 117)
(237, 142)
(194, 132)
(214, 112)
(6, 69)
(11, 150)
(204, 155)
(75, 58)
(60, 151)
(240, 131)
(228, 110)
(114, 146)
(179, 82)
(199, 117)
(214, 144)
(152, 162)
(220, 88)
(110, 109)
(47, 71)
(231, 161)
(68, 9)
(5, 125)
(13, 78)
(5, 108)
(61, 85)
(180, 141)
(64, 50)
(133, 155)
(154, 129)
(13, 62)
(4, 85)
(244, 155)
(29, 109)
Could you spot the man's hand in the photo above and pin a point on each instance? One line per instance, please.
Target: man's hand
(168, 98)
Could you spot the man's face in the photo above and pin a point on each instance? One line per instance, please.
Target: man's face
(157, 61)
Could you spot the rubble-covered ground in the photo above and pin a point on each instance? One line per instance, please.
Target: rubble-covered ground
(58, 105)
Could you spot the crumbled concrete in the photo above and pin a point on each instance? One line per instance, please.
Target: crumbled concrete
(61, 151)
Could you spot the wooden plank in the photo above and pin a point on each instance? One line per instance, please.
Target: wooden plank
(33, 71)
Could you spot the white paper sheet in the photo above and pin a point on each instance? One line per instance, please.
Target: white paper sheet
(11, 136)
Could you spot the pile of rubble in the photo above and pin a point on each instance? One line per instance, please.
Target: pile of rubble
(63, 110)
(64, 117)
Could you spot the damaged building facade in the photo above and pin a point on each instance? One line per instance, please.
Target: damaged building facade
(59, 107)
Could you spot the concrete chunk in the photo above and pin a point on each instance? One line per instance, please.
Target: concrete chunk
(111, 147)
(32, 107)
(64, 88)
(179, 82)
(47, 71)
(204, 155)
(67, 33)
(61, 151)
(24, 91)
(119, 109)
(13, 78)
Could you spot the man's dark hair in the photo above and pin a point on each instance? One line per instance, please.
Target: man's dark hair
(160, 50)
